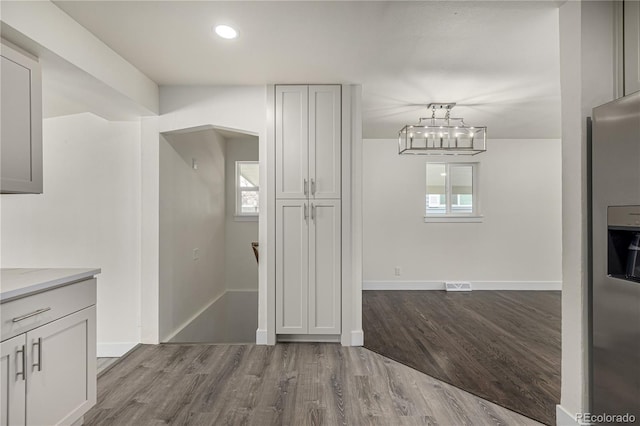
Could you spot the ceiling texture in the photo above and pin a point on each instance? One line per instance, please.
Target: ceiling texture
(499, 61)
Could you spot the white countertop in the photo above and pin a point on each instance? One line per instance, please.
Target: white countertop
(21, 282)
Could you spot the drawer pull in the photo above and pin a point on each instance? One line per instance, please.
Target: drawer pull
(39, 363)
(23, 353)
(32, 314)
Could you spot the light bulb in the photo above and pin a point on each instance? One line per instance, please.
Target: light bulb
(226, 31)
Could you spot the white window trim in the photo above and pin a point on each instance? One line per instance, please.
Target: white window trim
(448, 217)
(239, 215)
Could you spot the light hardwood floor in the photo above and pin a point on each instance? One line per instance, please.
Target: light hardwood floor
(286, 384)
(503, 346)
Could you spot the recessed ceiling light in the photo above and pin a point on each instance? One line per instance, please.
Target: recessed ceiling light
(226, 31)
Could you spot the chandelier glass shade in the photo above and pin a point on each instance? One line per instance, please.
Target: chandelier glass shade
(442, 136)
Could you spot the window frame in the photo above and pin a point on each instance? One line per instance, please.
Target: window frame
(239, 214)
(448, 216)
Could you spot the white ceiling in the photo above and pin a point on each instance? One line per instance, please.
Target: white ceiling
(498, 60)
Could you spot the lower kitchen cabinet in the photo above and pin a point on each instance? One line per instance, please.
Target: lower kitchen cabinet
(13, 392)
(49, 365)
(308, 267)
(62, 379)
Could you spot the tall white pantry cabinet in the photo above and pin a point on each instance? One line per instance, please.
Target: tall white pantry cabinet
(308, 209)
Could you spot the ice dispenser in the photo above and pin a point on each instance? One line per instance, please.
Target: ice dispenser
(624, 242)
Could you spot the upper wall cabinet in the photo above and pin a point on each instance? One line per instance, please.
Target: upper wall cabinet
(631, 47)
(21, 122)
(308, 141)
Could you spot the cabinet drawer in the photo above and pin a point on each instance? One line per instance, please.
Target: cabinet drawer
(54, 304)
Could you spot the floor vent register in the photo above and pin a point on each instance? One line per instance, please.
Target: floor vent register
(457, 286)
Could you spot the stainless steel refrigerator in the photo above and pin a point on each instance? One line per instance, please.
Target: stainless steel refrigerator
(615, 258)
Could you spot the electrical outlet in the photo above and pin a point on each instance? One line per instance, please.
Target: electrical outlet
(196, 253)
(398, 271)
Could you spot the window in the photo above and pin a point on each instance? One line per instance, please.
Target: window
(247, 188)
(452, 192)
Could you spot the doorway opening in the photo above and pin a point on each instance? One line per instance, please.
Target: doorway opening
(209, 212)
(501, 339)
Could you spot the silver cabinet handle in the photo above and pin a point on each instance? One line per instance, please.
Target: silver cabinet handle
(39, 363)
(32, 314)
(313, 187)
(313, 212)
(306, 215)
(306, 187)
(24, 363)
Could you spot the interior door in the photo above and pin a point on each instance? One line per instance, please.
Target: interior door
(292, 266)
(292, 142)
(62, 381)
(324, 267)
(12, 393)
(325, 128)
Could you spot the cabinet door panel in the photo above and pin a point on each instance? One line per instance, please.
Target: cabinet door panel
(325, 128)
(631, 47)
(292, 257)
(13, 383)
(325, 268)
(64, 386)
(21, 126)
(292, 142)
(16, 121)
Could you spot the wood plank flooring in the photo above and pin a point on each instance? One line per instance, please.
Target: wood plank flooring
(503, 346)
(287, 384)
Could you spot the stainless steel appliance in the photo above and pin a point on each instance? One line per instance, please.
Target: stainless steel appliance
(615, 278)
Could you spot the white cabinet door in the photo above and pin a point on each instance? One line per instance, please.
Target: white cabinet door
(14, 363)
(292, 266)
(292, 142)
(62, 380)
(324, 267)
(631, 47)
(325, 128)
(21, 123)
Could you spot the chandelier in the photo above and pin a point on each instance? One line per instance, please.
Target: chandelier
(442, 135)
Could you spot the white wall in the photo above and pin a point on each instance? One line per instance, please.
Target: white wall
(241, 267)
(587, 80)
(229, 107)
(518, 242)
(192, 216)
(88, 216)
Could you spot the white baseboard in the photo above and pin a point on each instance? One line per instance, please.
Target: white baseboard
(304, 338)
(113, 350)
(357, 338)
(261, 337)
(475, 285)
(192, 318)
(564, 418)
